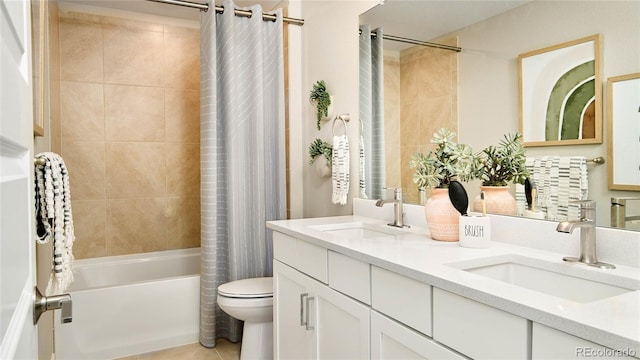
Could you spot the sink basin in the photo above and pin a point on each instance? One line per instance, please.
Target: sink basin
(359, 230)
(556, 279)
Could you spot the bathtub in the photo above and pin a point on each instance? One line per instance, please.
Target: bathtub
(131, 304)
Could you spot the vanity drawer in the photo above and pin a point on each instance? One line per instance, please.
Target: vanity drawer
(477, 330)
(305, 257)
(548, 343)
(401, 298)
(350, 277)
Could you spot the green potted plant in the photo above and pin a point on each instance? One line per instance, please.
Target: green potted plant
(319, 147)
(322, 99)
(496, 167)
(436, 169)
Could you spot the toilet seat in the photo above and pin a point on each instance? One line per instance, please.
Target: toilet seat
(247, 288)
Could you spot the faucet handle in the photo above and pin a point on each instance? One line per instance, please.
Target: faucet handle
(587, 209)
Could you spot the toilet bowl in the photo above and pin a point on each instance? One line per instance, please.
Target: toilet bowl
(251, 300)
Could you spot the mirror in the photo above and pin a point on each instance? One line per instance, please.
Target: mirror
(484, 105)
(623, 102)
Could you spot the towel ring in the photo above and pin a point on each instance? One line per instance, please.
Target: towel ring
(345, 118)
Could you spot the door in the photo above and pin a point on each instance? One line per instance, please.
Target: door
(289, 312)
(18, 339)
(341, 325)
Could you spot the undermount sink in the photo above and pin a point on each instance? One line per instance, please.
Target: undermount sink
(556, 279)
(359, 230)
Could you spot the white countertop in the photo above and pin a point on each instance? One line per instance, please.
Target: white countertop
(613, 322)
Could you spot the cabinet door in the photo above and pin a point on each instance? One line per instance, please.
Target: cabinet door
(341, 325)
(392, 340)
(290, 334)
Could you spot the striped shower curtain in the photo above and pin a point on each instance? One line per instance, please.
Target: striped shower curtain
(372, 114)
(242, 155)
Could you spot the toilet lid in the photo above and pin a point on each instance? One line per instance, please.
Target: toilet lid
(248, 288)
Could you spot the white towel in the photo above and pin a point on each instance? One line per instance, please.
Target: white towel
(340, 169)
(559, 181)
(54, 218)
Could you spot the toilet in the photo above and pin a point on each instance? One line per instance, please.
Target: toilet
(251, 300)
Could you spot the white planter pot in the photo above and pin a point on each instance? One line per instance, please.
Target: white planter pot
(321, 167)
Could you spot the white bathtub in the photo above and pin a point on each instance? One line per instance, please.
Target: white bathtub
(131, 304)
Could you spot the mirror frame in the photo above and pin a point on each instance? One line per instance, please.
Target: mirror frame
(611, 160)
(40, 49)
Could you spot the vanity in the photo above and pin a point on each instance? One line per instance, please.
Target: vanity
(354, 287)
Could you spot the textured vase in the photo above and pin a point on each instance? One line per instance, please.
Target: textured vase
(442, 217)
(498, 200)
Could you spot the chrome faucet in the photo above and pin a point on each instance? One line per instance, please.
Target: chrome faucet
(619, 216)
(397, 208)
(587, 225)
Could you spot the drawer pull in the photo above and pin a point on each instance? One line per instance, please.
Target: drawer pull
(308, 300)
(302, 319)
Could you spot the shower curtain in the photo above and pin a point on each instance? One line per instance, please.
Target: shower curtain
(242, 155)
(372, 113)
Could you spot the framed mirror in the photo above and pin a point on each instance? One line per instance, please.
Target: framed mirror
(623, 104)
(40, 68)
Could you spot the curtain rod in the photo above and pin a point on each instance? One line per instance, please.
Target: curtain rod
(220, 10)
(417, 42)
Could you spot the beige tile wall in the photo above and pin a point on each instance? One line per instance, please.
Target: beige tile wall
(130, 109)
(428, 102)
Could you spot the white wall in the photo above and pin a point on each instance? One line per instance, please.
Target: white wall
(330, 53)
(488, 72)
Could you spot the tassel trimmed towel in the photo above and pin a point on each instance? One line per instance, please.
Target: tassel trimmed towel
(54, 220)
(363, 183)
(340, 168)
(559, 181)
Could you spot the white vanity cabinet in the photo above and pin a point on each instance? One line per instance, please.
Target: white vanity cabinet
(323, 303)
(329, 305)
(311, 320)
(549, 343)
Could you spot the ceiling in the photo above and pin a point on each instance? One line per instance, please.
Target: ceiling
(429, 19)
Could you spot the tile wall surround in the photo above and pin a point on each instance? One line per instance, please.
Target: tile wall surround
(428, 102)
(130, 114)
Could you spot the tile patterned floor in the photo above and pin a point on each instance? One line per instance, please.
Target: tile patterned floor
(224, 350)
